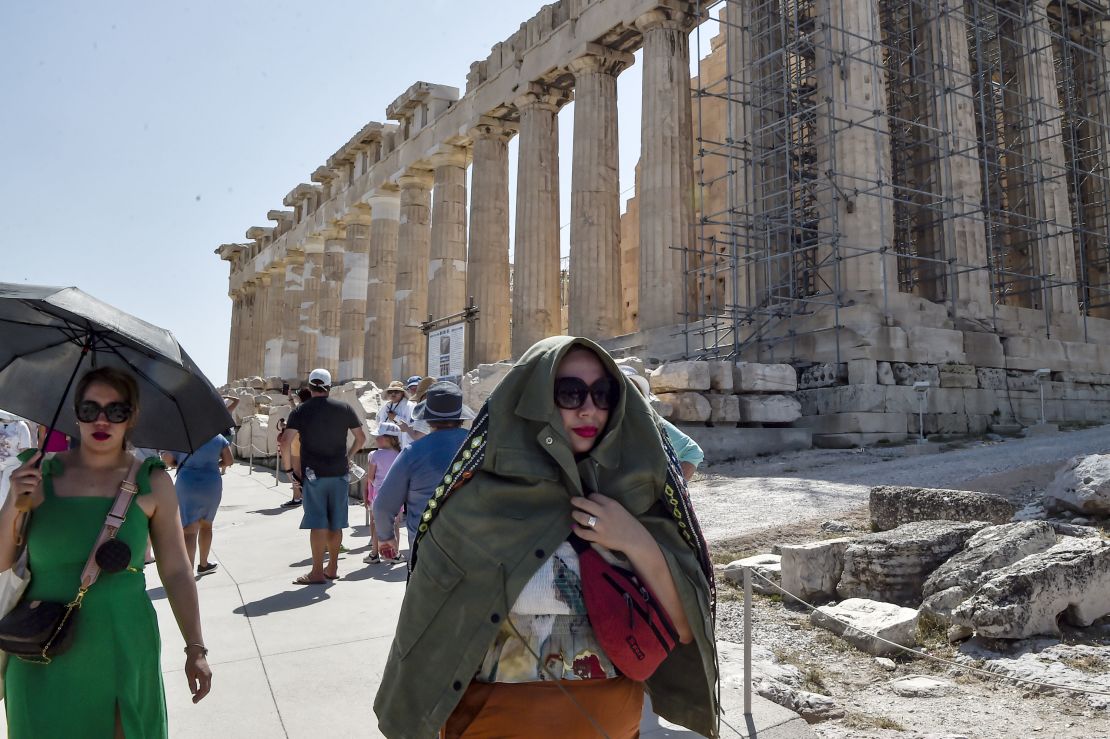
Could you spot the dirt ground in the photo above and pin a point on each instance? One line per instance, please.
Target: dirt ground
(747, 507)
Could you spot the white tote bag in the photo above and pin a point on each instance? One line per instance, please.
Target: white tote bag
(13, 582)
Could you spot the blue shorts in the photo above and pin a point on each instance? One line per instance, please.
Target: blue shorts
(325, 503)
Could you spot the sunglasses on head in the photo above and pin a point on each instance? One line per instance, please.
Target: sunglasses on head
(89, 410)
(571, 392)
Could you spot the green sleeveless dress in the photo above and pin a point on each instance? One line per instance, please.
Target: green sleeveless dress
(115, 655)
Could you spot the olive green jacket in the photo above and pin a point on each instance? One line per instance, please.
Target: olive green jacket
(488, 537)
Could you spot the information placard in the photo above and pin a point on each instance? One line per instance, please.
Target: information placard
(446, 352)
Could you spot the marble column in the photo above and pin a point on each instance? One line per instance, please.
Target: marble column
(233, 343)
(352, 318)
(666, 166)
(854, 200)
(595, 208)
(447, 254)
(1044, 173)
(381, 286)
(291, 314)
(272, 331)
(411, 296)
(331, 288)
(953, 109)
(487, 268)
(309, 319)
(536, 306)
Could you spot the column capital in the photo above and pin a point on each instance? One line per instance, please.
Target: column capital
(313, 244)
(489, 127)
(415, 179)
(670, 14)
(357, 214)
(595, 58)
(450, 155)
(542, 96)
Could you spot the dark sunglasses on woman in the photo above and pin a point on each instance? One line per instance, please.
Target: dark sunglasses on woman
(89, 410)
(571, 392)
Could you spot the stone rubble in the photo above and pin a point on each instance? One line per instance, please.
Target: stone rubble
(859, 621)
(891, 506)
(1082, 485)
(810, 572)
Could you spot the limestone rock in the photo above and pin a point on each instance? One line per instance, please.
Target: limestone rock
(254, 433)
(244, 410)
(1071, 579)
(908, 374)
(991, 378)
(958, 375)
(752, 377)
(858, 621)
(884, 374)
(724, 408)
(892, 505)
(825, 374)
(813, 707)
(886, 663)
(679, 376)
(479, 383)
(687, 406)
(274, 383)
(811, 571)
(863, 372)
(767, 565)
(256, 382)
(892, 566)
(777, 682)
(920, 686)
(991, 549)
(1043, 661)
(1083, 485)
(346, 394)
(769, 409)
(720, 375)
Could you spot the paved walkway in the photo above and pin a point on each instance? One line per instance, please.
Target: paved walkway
(292, 661)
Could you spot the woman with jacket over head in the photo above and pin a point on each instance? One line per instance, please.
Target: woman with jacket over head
(563, 445)
(108, 683)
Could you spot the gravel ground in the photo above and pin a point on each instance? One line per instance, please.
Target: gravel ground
(746, 507)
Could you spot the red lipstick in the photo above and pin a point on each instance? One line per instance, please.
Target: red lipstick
(586, 432)
(101, 435)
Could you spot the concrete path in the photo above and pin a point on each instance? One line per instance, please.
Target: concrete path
(293, 661)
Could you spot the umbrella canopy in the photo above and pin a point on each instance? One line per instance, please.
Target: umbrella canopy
(51, 335)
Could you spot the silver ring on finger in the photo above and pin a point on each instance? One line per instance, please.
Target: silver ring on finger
(591, 521)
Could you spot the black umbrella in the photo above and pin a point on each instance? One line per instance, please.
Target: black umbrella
(51, 335)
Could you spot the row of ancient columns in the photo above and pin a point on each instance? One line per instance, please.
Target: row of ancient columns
(853, 191)
(360, 289)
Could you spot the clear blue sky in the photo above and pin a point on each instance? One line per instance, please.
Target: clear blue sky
(136, 137)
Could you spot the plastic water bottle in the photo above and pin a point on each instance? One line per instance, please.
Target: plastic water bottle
(309, 474)
(357, 472)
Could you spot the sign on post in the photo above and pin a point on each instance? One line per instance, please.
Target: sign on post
(446, 352)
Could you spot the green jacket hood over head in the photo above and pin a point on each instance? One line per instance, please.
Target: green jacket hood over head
(502, 510)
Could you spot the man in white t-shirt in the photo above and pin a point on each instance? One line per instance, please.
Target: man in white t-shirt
(397, 409)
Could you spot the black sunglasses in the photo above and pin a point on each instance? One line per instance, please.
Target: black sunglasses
(89, 410)
(571, 392)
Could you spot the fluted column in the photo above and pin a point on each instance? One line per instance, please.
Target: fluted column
(381, 286)
(666, 166)
(331, 289)
(271, 333)
(487, 268)
(447, 254)
(954, 110)
(233, 341)
(595, 227)
(352, 318)
(1044, 174)
(854, 204)
(309, 320)
(291, 315)
(413, 242)
(536, 310)
(250, 351)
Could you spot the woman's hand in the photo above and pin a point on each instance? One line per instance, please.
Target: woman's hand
(613, 528)
(198, 673)
(25, 484)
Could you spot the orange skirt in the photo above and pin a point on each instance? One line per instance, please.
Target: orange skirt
(541, 710)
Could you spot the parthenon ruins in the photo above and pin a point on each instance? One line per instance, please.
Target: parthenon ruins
(875, 191)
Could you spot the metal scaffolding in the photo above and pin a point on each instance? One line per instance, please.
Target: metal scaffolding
(974, 154)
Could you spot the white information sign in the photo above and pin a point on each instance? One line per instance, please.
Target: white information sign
(446, 347)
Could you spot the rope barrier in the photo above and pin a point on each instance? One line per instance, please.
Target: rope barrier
(926, 655)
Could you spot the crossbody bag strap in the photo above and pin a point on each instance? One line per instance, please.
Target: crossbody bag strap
(117, 514)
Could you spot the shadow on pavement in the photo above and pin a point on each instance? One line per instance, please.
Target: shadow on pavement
(304, 595)
(384, 573)
(275, 511)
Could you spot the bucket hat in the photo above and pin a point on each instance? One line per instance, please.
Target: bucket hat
(414, 380)
(444, 402)
(395, 385)
(387, 428)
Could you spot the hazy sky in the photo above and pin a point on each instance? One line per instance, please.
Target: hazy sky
(136, 137)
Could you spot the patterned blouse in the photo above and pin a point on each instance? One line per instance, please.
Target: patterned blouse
(548, 622)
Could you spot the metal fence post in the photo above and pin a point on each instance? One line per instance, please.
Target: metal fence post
(747, 641)
(250, 460)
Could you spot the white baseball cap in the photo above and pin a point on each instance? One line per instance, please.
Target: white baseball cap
(319, 377)
(385, 428)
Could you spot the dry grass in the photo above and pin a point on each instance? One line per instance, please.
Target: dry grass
(1090, 663)
(814, 677)
(869, 721)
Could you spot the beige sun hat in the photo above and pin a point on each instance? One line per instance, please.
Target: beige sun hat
(395, 385)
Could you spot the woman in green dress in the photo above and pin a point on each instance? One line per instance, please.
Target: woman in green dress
(109, 682)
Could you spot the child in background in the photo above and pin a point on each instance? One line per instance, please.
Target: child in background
(388, 441)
